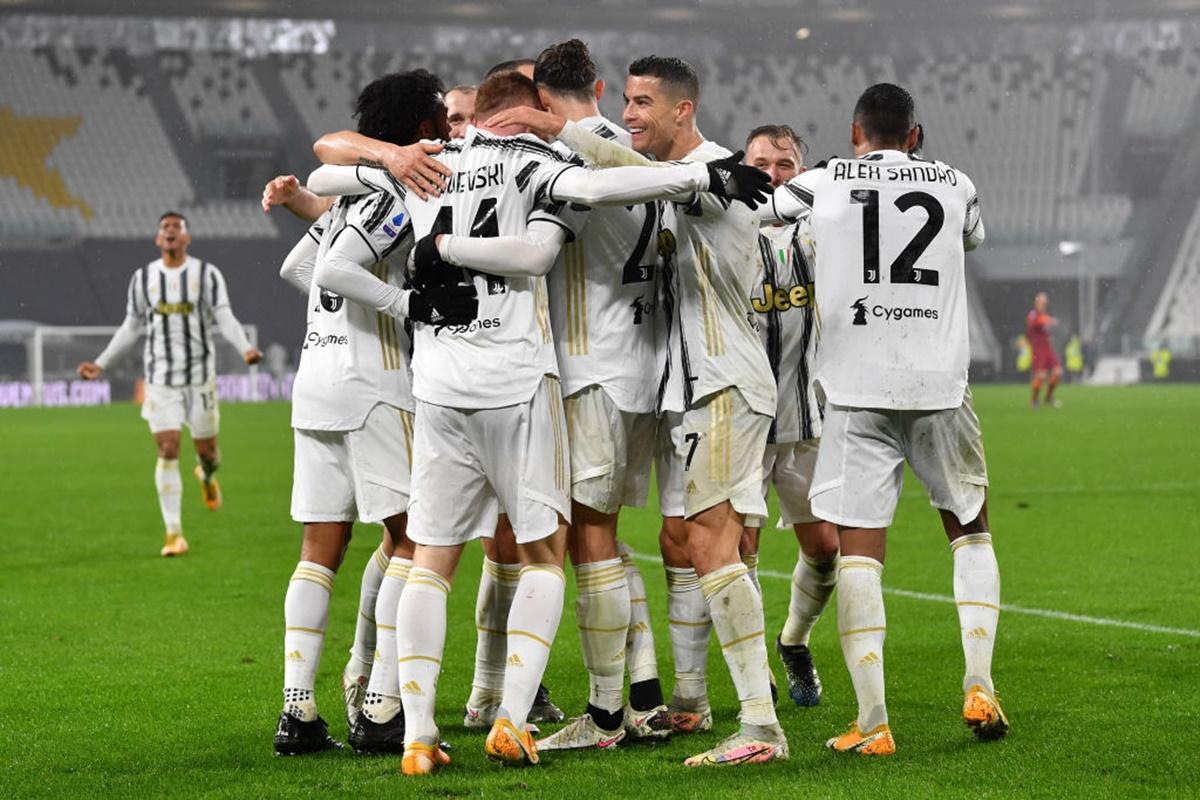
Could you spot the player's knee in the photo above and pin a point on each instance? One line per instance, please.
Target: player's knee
(168, 449)
(818, 541)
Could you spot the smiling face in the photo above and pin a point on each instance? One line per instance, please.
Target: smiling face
(777, 157)
(460, 111)
(173, 234)
(653, 115)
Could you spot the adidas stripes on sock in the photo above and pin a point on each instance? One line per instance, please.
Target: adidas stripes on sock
(305, 614)
(170, 493)
(977, 594)
(383, 691)
(812, 586)
(602, 610)
(862, 626)
(751, 562)
(532, 624)
(689, 623)
(362, 651)
(737, 617)
(497, 587)
(420, 640)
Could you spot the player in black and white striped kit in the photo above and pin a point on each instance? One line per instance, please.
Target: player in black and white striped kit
(785, 307)
(176, 301)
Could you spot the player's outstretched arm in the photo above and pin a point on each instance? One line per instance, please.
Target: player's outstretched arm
(530, 255)
(793, 200)
(286, 191)
(227, 323)
(125, 337)
(413, 165)
(591, 147)
(334, 180)
(300, 263)
(726, 177)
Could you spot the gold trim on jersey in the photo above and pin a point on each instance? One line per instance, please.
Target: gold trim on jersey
(720, 427)
(385, 326)
(714, 336)
(541, 308)
(577, 319)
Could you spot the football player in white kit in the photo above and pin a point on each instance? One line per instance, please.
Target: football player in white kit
(891, 230)
(602, 302)
(787, 322)
(490, 431)
(717, 398)
(352, 413)
(175, 301)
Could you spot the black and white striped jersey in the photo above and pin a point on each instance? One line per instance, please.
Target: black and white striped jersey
(789, 327)
(178, 307)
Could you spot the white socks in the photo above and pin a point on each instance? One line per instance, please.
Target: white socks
(305, 612)
(737, 617)
(812, 585)
(170, 493)
(497, 587)
(689, 623)
(640, 658)
(383, 692)
(532, 624)
(420, 640)
(977, 593)
(862, 626)
(602, 610)
(362, 651)
(751, 562)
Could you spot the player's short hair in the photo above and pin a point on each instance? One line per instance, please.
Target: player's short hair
(781, 136)
(506, 90)
(512, 65)
(166, 214)
(393, 107)
(675, 73)
(465, 88)
(566, 68)
(886, 113)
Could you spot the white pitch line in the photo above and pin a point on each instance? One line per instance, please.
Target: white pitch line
(1031, 612)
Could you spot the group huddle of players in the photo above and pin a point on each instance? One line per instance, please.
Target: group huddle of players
(516, 308)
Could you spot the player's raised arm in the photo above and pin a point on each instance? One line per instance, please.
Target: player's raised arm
(413, 165)
(793, 200)
(227, 323)
(301, 262)
(286, 191)
(333, 180)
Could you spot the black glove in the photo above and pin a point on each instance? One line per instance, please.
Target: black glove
(428, 267)
(730, 178)
(454, 304)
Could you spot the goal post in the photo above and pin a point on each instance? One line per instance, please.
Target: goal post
(54, 351)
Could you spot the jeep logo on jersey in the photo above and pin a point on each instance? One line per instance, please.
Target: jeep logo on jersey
(860, 311)
(331, 302)
(780, 299)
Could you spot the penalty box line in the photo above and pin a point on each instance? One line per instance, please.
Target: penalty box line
(1011, 609)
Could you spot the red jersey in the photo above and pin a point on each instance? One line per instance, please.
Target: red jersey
(1037, 331)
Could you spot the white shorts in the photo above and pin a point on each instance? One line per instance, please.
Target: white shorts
(471, 464)
(169, 408)
(341, 476)
(611, 451)
(712, 453)
(860, 466)
(790, 467)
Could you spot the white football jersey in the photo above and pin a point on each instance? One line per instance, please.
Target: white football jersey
(787, 324)
(178, 306)
(499, 184)
(602, 299)
(709, 266)
(890, 233)
(355, 357)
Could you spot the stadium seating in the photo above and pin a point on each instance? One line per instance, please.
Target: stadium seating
(219, 96)
(1175, 321)
(1163, 93)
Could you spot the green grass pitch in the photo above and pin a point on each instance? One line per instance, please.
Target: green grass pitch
(124, 674)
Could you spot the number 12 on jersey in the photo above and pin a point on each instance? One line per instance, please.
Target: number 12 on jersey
(903, 269)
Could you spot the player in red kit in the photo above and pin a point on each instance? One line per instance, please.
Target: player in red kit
(1046, 369)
